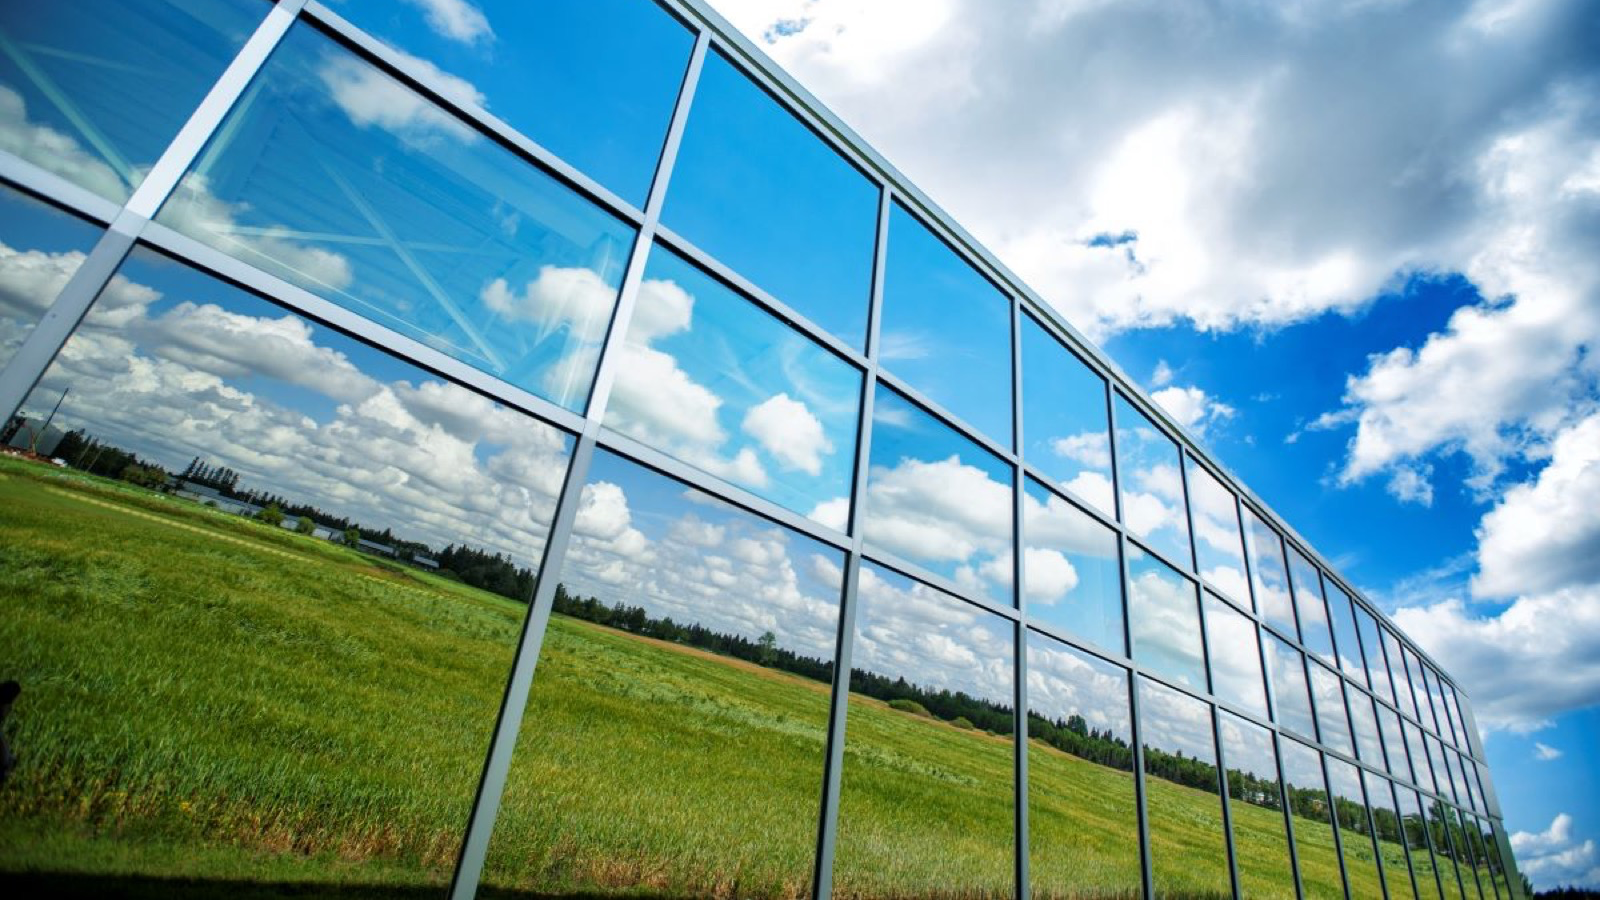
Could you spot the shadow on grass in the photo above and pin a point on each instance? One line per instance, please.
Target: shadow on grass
(62, 885)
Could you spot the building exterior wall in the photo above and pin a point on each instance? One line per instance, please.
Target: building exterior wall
(769, 508)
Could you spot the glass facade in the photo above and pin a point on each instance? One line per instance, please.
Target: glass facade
(478, 471)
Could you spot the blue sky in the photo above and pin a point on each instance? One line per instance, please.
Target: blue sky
(1351, 247)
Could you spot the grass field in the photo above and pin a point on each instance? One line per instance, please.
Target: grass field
(212, 706)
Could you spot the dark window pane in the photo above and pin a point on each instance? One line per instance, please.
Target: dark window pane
(1066, 433)
(1235, 654)
(1327, 696)
(1377, 670)
(926, 802)
(946, 329)
(707, 376)
(1260, 843)
(1071, 575)
(1365, 722)
(938, 499)
(334, 176)
(759, 190)
(1269, 577)
(95, 90)
(1164, 618)
(40, 248)
(593, 81)
(1151, 486)
(1390, 837)
(1083, 829)
(674, 734)
(303, 563)
(1315, 849)
(1344, 631)
(1314, 631)
(1188, 852)
(1218, 543)
(1355, 832)
(1291, 697)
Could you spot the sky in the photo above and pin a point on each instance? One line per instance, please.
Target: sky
(1352, 247)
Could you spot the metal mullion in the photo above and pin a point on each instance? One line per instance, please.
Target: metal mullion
(508, 725)
(844, 648)
(1288, 813)
(430, 85)
(934, 579)
(231, 269)
(1227, 805)
(1163, 558)
(1147, 870)
(945, 416)
(28, 178)
(1018, 597)
(633, 276)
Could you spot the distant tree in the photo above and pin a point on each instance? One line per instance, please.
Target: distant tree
(962, 722)
(769, 648)
(352, 537)
(305, 526)
(143, 475)
(272, 515)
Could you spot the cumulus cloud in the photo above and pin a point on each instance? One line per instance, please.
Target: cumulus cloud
(59, 153)
(1192, 407)
(371, 97)
(940, 510)
(1545, 753)
(576, 299)
(787, 429)
(1554, 857)
(456, 20)
(907, 629)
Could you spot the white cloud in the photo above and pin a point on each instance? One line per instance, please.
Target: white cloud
(576, 299)
(1192, 407)
(1412, 483)
(1162, 375)
(1555, 857)
(788, 430)
(942, 510)
(1089, 448)
(1545, 753)
(456, 20)
(56, 152)
(371, 97)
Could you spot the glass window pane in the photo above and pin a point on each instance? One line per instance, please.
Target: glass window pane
(1445, 853)
(307, 561)
(1164, 618)
(1465, 777)
(1150, 485)
(1419, 690)
(1497, 866)
(1421, 766)
(1066, 432)
(95, 90)
(1314, 845)
(946, 329)
(1071, 575)
(1314, 631)
(1441, 711)
(1269, 579)
(1260, 843)
(1235, 654)
(756, 188)
(593, 81)
(674, 734)
(332, 175)
(937, 499)
(1344, 631)
(1397, 670)
(1390, 835)
(40, 248)
(1188, 850)
(926, 802)
(1377, 670)
(1355, 832)
(1217, 540)
(1362, 716)
(1327, 696)
(1291, 697)
(1442, 775)
(1474, 872)
(1461, 719)
(1416, 834)
(1393, 742)
(712, 379)
(1431, 719)
(1083, 828)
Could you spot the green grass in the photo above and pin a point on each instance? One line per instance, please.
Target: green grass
(213, 704)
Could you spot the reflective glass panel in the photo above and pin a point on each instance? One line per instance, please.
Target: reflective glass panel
(946, 329)
(1344, 631)
(1218, 542)
(593, 81)
(709, 377)
(40, 248)
(1314, 631)
(1394, 743)
(1355, 831)
(1164, 619)
(938, 499)
(756, 188)
(1269, 577)
(1416, 834)
(1497, 866)
(1443, 830)
(1083, 829)
(1442, 775)
(1432, 719)
(1327, 696)
(926, 804)
(673, 739)
(1368, 745)
(1065, 430)
(1391, 837)
(1314, 845)
(1474, 872)
(1291, 697)
(1071, 576)
(1461, 720)
(1397, 669)
(1465, 778)
(334, 176)
(279, 575)
(1188, 849)
(1419, 690)
(1421, 766)
(1447, 725)
(1151, 485)
(1377, 670)
(1235, 654)
(95, 90)
(1260, 843)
